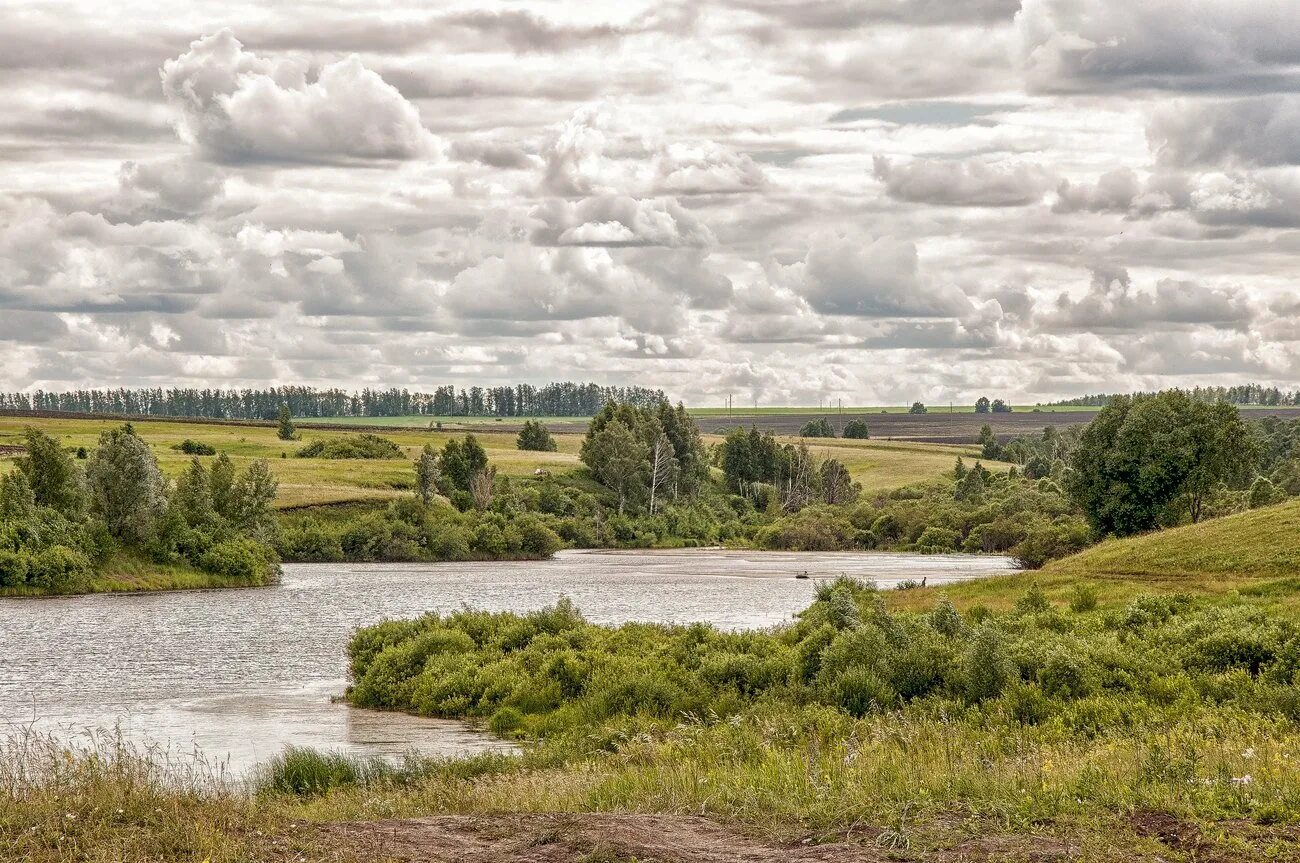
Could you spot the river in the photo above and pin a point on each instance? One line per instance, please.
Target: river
(235, 675)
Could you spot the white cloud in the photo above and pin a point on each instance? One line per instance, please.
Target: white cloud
(238, 107)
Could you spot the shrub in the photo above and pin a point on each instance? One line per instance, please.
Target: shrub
(367, 446)
(819, 427)
(856, 430)
(241, 558)
(1083, 598)
(193, 447)
(937, 540)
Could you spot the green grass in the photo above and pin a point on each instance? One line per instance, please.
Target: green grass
(832, 411)
(303, 482)
(879, 465)
(1259, 543)
(423, 421)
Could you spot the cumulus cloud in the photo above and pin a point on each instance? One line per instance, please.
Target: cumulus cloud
(618, 220)
(1193, 45)
(238, 107)
(1112, 304)
(842, 274)
(685, 193)
(966, 183)
(1256, 131)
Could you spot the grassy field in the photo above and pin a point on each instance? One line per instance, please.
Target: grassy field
(878, 465)
(302, 481)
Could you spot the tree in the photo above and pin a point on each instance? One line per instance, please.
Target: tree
(426, 474)
(460, 461)
(819, 427)
(959, 470)
(982, 405)
(917, 408)
(1001, 407)
(1144, 458)
(192, 496)
(535, 437)
(253, 495)
(54, 476)
(663, 468)
(17, 502)
(856, 430)
(221, 483)
(837, 486)
(126, 487)
(286, 431)
(617, 458)
(988, 441)
(481, 486)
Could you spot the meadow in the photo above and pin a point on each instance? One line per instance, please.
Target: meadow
(878, 465)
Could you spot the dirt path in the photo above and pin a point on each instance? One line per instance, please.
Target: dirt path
(640, 838)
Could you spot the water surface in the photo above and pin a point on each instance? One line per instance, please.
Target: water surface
(238, 674)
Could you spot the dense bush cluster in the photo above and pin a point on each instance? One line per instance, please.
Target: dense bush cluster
(194, 447)
(352, 446)
(60, 524)
(978, 512)
(1085, 672)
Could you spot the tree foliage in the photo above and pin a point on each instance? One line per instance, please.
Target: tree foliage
(535, 437)
(1146, 460)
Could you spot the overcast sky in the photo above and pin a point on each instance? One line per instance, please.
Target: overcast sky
(873, 200)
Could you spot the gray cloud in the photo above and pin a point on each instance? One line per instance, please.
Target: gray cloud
(682, 193)
(1192, 45)
(1111, 304)
(1257, 131)
(967, 183)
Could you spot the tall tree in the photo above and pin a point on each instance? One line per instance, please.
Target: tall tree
(55, 478)
(126, 487)
(426, 474)
(617, 458)
(286, 431)
(982, 405)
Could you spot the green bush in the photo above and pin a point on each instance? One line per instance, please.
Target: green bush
(367, 446)
(241, 559)
(193, 447)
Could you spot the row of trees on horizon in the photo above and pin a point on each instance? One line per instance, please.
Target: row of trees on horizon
(564, 398)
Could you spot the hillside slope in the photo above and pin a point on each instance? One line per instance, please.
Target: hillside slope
(1262, 542)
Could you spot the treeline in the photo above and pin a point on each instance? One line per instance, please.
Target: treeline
(564, 398)
(1245, 394)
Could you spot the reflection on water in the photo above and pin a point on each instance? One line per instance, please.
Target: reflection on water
(238, 674)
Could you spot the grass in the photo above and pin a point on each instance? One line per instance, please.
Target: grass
(1250, 557)
(303, 482)
(1259, 543)
(127, 573)
(834, 411)
(309, 482)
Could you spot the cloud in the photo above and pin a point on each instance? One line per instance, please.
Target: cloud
(618, 220)
(851, 14)
(705, 168)
(1189, 45)
(1111, 304)
(844, 274)
(1122, 191)
(1255, 131)
(967, 183)
(237, 107)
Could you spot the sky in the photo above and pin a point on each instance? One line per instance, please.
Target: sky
(783, 202)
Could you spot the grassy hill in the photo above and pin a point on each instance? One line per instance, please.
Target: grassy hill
(1259, 543)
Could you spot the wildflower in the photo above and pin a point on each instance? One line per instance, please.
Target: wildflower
(1249, 753)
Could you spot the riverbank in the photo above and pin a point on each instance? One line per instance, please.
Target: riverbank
(125, 573)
